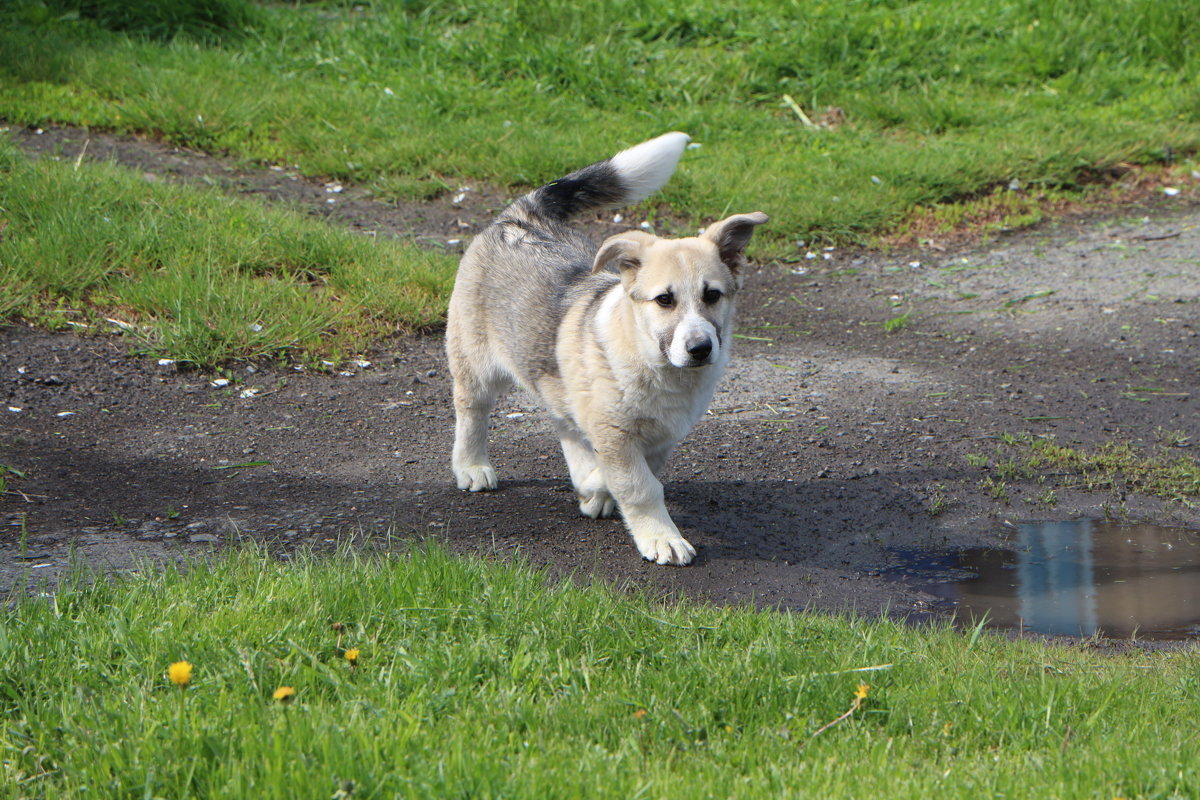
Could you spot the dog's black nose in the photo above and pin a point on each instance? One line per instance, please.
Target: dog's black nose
(700, 348)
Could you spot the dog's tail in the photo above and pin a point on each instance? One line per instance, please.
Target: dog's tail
(629, 176)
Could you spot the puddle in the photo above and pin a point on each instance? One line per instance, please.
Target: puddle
(1075, 578)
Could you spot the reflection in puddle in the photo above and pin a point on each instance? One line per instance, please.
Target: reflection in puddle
(1075, 578)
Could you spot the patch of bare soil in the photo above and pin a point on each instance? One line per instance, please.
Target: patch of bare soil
(832, 444)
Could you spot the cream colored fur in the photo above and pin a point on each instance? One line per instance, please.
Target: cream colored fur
(624, 373)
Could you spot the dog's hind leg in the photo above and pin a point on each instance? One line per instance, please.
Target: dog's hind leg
(595, 501)
(473, 403)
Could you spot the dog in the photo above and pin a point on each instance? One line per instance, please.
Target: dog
(622, 343)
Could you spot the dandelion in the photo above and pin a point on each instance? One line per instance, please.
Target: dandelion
(180, 674)
(351, 655)
(860, 694)
(640, 713)
(284, 694)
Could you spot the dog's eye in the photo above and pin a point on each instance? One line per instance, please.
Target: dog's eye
(712, 295)
(666, 299)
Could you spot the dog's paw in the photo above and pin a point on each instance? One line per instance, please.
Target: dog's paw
(476, 478)
(597, 505)
(665, 549)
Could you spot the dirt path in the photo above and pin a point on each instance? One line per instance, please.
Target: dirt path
(832, 443)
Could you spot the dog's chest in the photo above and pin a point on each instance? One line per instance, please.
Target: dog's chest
(663, 410)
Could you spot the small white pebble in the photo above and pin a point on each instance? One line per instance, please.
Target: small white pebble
(65, 414)
(220, 383)
(1170, 191)
(514, 415)
(618, 217)
(166, 362)
(15, 409)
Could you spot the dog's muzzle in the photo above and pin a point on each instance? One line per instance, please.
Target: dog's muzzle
(699, 349)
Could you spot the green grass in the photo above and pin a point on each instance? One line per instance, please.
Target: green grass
(205, 20)
(944, 99)
(8, 474)
(479, 679)
(196, 275)
(1115, 467)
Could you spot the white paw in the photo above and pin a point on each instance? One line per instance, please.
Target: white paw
(665, 549)
(476, 478)
(597, 505)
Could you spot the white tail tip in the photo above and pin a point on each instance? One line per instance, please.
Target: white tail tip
(644, 168)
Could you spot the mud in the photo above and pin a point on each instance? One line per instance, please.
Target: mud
(833, 442)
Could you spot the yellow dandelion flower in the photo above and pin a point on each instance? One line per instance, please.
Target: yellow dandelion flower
(180, 673)
(640, 713)
(284, 694)
(351, 655)
(861, 692)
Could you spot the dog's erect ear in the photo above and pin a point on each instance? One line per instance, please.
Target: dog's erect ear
(623, 251)
(731, 236)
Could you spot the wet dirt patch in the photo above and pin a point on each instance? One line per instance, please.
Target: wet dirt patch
(832, 442)
(1072, 578)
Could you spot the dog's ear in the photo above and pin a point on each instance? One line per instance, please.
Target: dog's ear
(731, 236)
(623, 251)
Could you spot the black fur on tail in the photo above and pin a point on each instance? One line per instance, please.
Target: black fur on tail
(595, 186)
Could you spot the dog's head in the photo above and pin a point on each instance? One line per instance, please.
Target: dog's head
(681, 290)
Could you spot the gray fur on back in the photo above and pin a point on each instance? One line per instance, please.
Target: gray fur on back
(530, 267)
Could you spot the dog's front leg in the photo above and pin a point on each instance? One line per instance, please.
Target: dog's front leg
(640, 497)
(586, 474)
